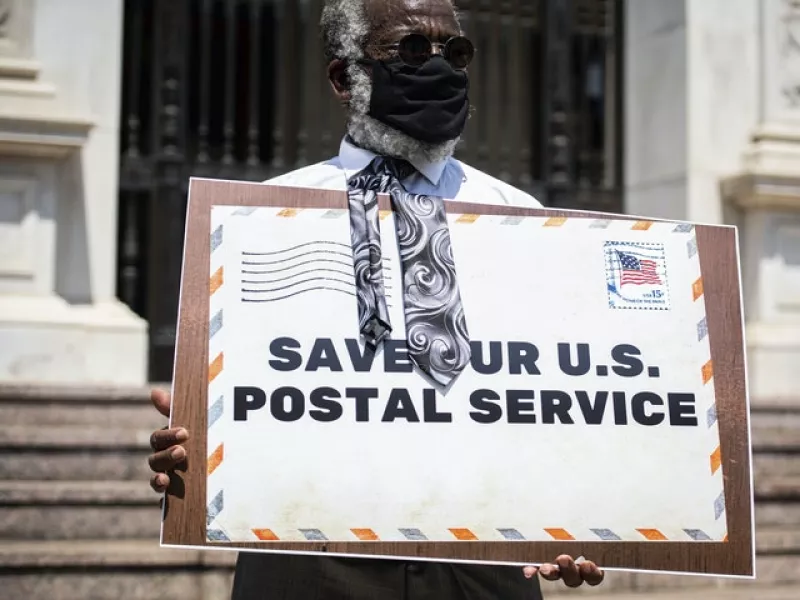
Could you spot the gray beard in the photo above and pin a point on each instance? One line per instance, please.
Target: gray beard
(370, 134)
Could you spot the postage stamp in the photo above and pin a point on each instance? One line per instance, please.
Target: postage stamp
(636, 276)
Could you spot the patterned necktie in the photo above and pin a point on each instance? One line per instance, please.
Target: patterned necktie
(436, 329)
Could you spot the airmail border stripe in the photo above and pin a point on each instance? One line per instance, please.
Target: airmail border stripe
(215, 460)
(459, 533)
(216, 411)
(463, 534)
(265, 535)
(711, 416)
(217, 279)
(716, 460)
(719, 506)
(560, 534)
(245, 211)
(697, 289)
(652, 534)
(216, 238)
(708, 371)
(691, 247)
(215, 368)
(214, 508)
(217, 535)
(215, 324)
(467, 219)
(365, 535)
(702, 329)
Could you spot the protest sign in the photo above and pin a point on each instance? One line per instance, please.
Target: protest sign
(603, 413)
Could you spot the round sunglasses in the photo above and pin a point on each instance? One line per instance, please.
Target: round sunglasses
(415, 50)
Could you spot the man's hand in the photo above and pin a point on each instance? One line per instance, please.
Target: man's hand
(571, 573)
(166, 445)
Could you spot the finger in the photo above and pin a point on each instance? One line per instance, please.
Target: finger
(550, 572)
(166, 460)
(530, 572)
(591, 573)
(569, 571)
(161, 401)
(159, 482)
(166, 438)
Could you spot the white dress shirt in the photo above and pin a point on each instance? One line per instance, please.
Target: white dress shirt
(450, 179)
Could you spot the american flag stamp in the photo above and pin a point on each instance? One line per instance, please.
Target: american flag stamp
(636, 276)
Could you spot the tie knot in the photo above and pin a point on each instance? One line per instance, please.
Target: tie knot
(397, 167)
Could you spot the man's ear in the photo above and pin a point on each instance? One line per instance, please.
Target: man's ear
(340, 82)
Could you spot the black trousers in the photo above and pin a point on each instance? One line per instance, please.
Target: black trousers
(284, 577)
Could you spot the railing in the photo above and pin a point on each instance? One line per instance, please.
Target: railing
(236, 89)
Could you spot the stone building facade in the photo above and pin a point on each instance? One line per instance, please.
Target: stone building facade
(698, 109)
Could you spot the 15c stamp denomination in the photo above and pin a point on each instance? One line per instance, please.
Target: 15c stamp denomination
(636, 276)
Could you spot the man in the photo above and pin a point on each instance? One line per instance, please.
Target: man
(399, 69)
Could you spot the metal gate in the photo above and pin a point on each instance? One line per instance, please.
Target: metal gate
(236, 89)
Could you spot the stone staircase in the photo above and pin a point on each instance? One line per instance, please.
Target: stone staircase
(78, 521)
(77, 518)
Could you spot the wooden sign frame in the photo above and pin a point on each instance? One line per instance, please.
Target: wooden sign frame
(184, 518)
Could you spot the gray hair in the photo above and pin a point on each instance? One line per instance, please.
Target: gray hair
(345, 28)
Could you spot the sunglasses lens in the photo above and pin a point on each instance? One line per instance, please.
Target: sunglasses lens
(415, 49)
(460, 52)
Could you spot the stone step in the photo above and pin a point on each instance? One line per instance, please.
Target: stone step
(73, 453)
(112, 570)
(754, 592)
(60, 510)
(85, 406)
(38, 451)
(776, 464)
(784, 488)
(140, 569)
(776, 430)
(133, 570)
(777, 514)
(777, 576)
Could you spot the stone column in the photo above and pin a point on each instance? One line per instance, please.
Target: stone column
(764, 197)
(713, 136)
(691, 84)
(60, 70)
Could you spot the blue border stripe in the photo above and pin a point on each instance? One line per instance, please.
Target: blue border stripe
(216, 411)
(215, 325)
(606, 534)
(511, 534)
(413, 534)
(698, 535)
(215, 508)
(314, 535)
(216, 239)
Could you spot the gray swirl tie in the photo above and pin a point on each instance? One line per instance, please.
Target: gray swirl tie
(436, 328)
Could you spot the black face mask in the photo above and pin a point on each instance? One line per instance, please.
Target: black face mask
(430, 103)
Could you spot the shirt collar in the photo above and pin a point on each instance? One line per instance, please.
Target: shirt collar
(354, 158)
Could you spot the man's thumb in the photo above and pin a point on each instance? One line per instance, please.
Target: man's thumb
(161, 401)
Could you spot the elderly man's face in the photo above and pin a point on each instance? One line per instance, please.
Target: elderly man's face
(391, 20)
(394, 108)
